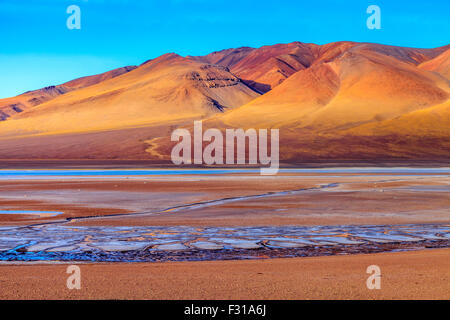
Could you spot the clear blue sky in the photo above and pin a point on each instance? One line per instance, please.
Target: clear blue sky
(37, 49)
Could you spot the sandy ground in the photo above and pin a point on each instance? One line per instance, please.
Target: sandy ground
(356, 199)
(405, 275)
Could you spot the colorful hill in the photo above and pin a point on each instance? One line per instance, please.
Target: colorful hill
(339, 101)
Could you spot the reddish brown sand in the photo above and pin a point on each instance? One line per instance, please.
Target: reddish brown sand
(369, 199)
(405, 275)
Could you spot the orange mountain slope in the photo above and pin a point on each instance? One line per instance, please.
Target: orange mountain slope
(356, 101)
(266, 67)
(14, 105)
(440, 64)
(338, 101)
(358, 86)
(167, 89)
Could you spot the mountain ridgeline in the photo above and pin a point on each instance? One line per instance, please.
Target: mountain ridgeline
(343, 101)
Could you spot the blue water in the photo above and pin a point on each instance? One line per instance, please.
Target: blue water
(5, 174)
(76, 173)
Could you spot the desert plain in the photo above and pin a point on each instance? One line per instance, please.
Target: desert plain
(380, 113)
(200, 202)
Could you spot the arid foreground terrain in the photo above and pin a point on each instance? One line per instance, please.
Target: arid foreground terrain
(310, 235)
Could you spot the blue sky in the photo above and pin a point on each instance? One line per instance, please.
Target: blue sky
(37, 49)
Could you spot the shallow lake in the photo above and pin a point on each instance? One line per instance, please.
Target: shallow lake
(20, 174)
